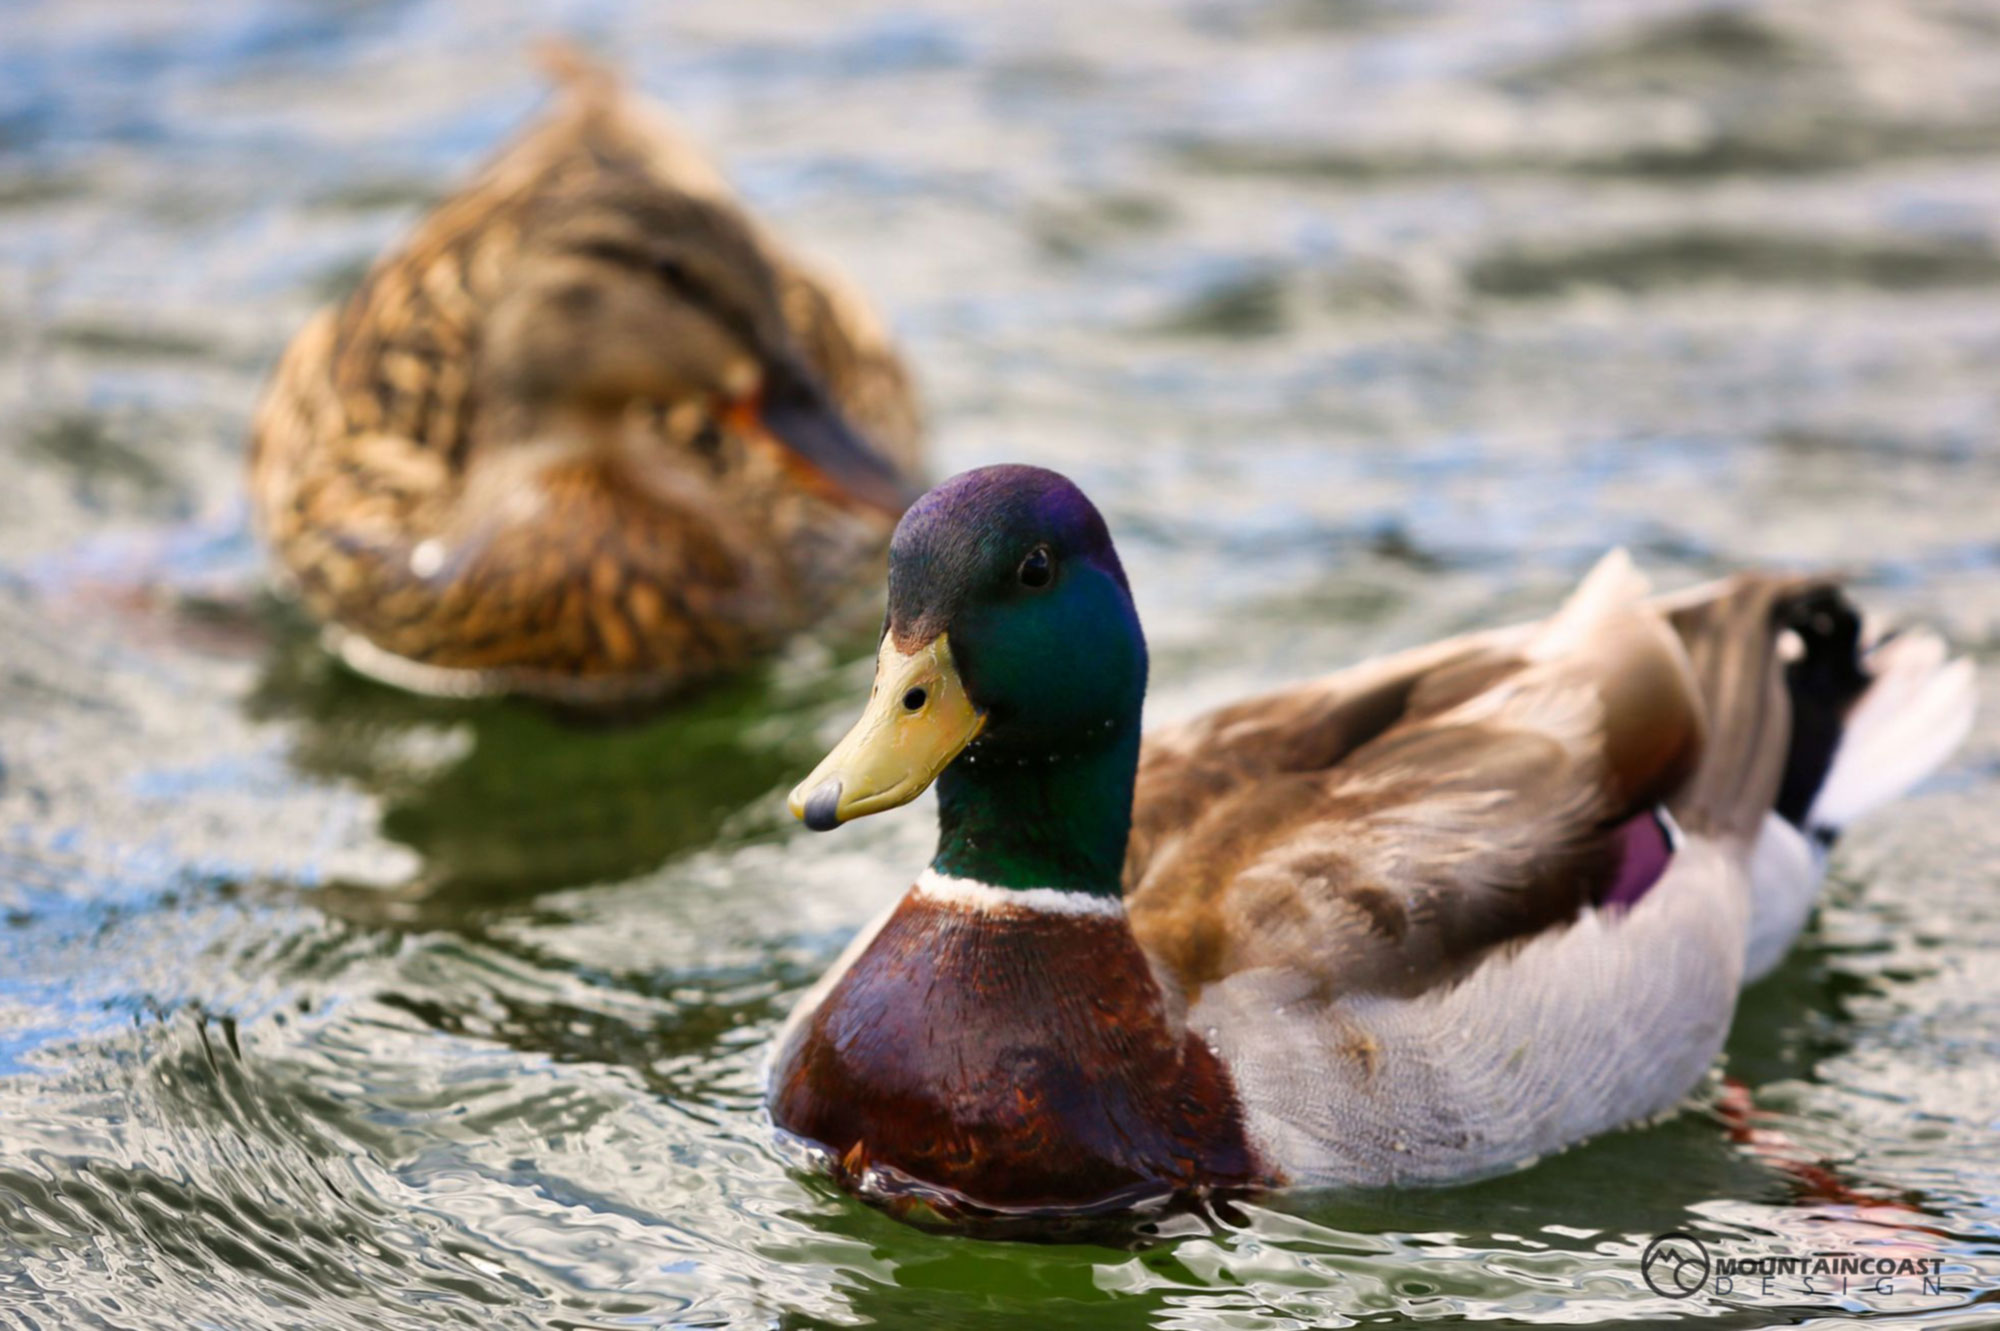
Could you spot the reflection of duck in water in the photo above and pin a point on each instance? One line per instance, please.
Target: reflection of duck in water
(587, 435)
(1423, 919)
(499, 802)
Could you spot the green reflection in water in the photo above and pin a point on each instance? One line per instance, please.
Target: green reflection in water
(504, 799)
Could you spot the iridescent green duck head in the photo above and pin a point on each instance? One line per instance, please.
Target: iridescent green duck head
(1012, 672)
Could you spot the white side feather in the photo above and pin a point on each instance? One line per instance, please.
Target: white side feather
(1576, 1031)
(1786, 870)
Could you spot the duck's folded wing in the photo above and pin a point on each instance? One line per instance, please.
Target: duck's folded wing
(1384, 829)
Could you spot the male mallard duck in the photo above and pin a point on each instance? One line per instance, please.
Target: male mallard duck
(1420, 920)
(586, 434)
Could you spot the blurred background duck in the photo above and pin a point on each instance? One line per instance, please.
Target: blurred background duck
(589, 434)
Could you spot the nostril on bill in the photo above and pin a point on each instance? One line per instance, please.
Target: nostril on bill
(822, 806)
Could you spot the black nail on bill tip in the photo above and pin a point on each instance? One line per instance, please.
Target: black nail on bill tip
(822, 806)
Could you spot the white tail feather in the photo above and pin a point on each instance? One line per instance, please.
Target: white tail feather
(1917, 711)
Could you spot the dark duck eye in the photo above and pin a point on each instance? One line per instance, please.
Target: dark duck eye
(1039, 568)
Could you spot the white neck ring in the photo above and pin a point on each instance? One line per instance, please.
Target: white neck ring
(970, 894)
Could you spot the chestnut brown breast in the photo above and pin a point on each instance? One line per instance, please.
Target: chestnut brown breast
(1017, 1059)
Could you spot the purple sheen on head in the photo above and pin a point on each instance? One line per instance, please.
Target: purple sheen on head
(970, 532)
(1644, 852)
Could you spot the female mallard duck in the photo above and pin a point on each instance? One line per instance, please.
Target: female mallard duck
(1420, 920)
(587, 434)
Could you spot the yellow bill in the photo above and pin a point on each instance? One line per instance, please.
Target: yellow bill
(918, 720)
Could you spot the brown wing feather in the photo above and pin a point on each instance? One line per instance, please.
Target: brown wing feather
(1732, 634)
(405, 340)
(1385, 828)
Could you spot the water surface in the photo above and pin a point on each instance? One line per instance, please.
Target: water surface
(323, 1006)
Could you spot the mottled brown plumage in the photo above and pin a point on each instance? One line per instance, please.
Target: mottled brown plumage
(537, 450)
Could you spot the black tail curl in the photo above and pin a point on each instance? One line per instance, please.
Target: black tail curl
(1824, 683)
